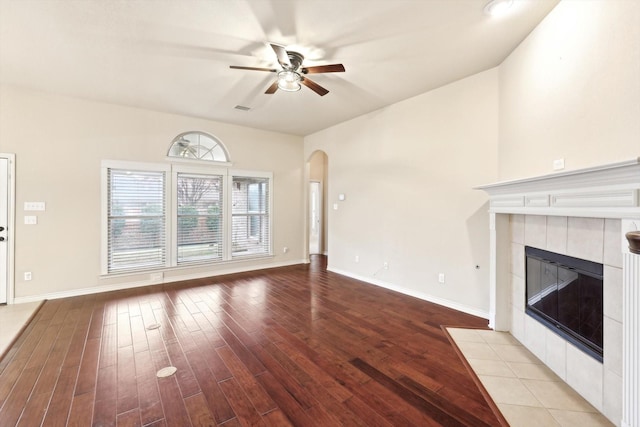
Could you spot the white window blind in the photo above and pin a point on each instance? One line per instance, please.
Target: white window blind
(136, 220)
(200, 222)
(250, 231)
(159, 216)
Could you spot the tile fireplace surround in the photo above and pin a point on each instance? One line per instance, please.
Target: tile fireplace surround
(585, 214)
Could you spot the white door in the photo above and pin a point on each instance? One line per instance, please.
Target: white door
(315, 217)
(4, 223)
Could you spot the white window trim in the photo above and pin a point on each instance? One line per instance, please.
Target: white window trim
(171, 171)
(197, 162)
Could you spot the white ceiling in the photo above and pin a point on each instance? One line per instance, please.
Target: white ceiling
(174, 55)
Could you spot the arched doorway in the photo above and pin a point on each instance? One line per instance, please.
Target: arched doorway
(317, 207)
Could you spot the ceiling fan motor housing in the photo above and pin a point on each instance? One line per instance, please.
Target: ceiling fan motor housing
(295, 59)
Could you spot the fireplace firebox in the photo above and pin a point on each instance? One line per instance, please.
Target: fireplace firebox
(565, 294)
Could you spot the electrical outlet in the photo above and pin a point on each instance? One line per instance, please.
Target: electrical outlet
(285, 250)
(441, 278)
(156, 277)
(385, 265)
(558, 164)
(357, 258)
(27, 275)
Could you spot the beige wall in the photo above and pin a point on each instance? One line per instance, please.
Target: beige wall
(407, 172)
(572, 90)
(59, 144)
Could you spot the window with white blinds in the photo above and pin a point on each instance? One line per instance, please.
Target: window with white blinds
(251, 222)
(159, 216)
(200, 217)
(136, 220)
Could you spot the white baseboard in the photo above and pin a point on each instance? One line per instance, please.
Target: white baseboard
(420, 295)
(241, 269)
(138, 284)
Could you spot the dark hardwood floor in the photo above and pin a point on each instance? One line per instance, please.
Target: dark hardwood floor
(289, 346)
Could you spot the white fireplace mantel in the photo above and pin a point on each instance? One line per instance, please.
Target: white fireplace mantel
(606, 191)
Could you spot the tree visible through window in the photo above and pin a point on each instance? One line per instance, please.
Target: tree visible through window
(199, 234)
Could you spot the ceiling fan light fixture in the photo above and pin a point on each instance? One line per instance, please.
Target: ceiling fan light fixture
(289, 81)
(498, 7)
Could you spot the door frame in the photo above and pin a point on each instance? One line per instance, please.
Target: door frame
(320, 209)
(11, 224)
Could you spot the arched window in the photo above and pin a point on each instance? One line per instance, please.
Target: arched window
(184, 212)
(198, 146)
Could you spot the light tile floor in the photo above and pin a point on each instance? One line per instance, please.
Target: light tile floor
(527, 392)
(13, 318)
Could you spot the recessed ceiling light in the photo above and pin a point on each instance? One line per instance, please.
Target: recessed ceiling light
(497, 7)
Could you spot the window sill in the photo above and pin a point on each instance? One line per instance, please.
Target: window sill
(184, 266)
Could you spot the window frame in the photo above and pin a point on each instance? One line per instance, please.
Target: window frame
(252, 174)
(171, 172)
(195, 170)
(134, 167)
(216, 141)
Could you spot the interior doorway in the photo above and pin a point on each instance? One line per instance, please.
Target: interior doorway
(6, 207)
(315, 217)
(317, 207)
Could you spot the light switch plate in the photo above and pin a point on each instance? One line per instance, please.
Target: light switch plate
(30, 219)
(34, 206)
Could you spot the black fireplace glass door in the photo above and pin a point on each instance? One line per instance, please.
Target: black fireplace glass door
(591, 309)
(565, 294)
(569, 304)
(542, 286)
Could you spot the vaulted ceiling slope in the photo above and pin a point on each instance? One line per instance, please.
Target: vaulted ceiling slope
(174, 55)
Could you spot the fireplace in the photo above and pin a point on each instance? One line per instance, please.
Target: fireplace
(586, 213)
(565, 294)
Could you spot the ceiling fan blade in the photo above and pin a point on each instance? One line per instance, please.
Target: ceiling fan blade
(333, 68)
(314, 86)
(237, 67)
(273, 88)
(281, 53)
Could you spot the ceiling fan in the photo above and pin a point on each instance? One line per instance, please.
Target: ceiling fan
(293, 73)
